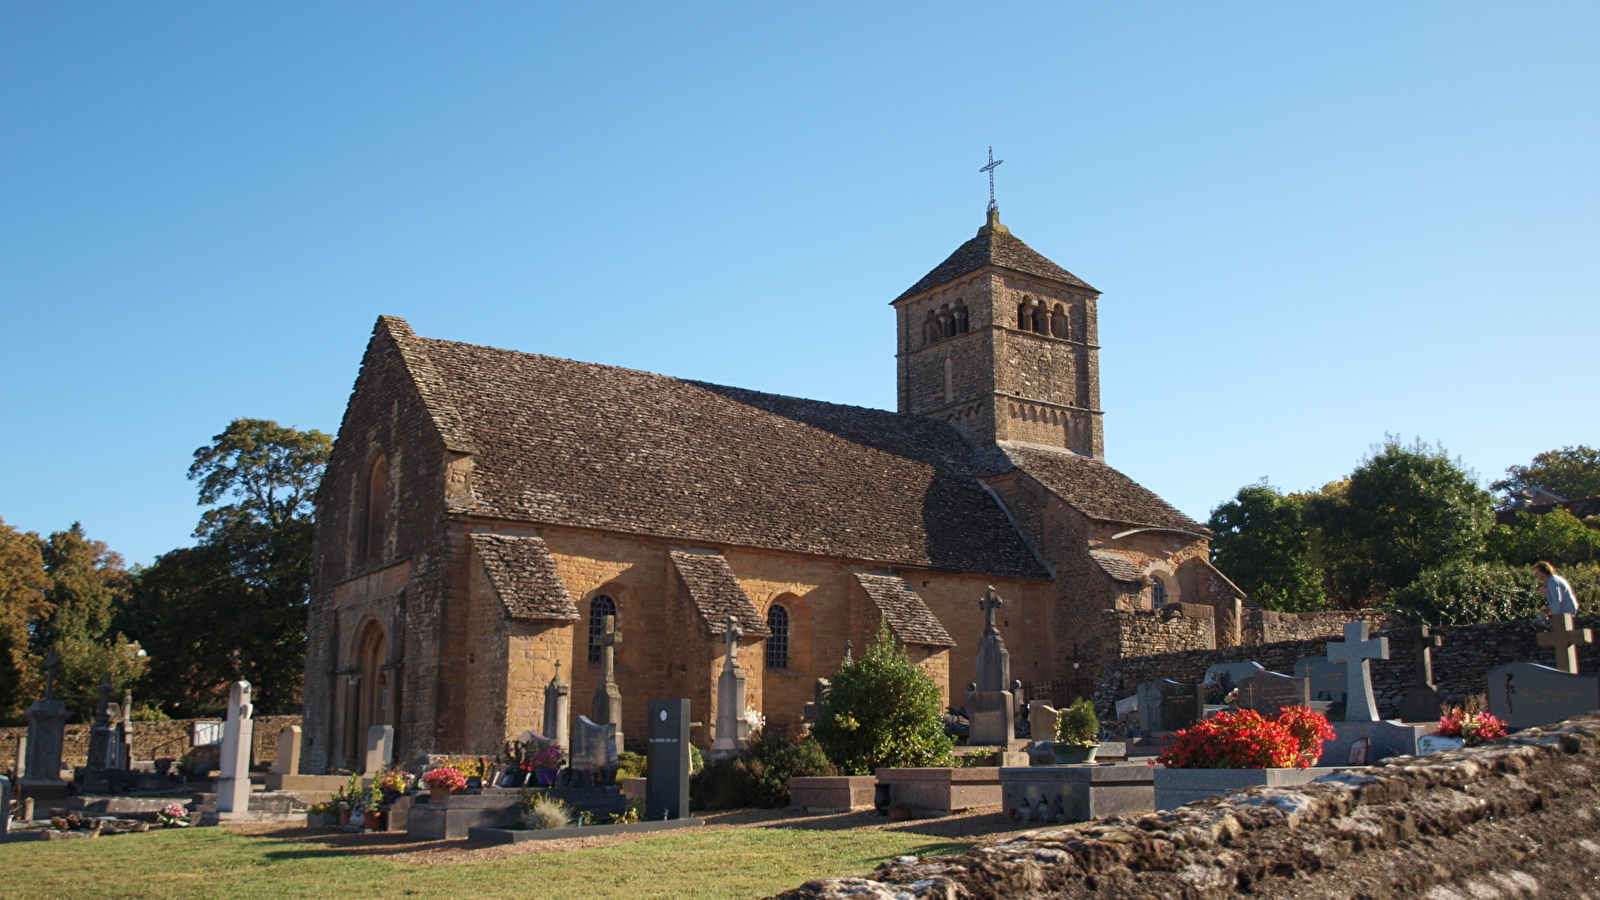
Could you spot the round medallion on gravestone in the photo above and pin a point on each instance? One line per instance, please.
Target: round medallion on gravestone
(663, 715)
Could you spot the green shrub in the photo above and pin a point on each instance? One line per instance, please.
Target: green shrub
(759, 776)
(1078, 726)
(883, 711)
(1467, 593)
(631, 765)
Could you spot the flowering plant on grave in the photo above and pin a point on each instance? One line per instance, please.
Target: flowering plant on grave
(174, 815)
(1233, 698)
(1245, 739)
(1474, 728)
(755, 719)
(550, 757)
(446, 778)
(1218, 686)
(391, 781)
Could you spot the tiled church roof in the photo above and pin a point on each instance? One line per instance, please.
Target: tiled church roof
(1099, 491)
(1119, 567)
(994, 247)
(586, 445)
(717, 594)
(524, 576)
(909, 618)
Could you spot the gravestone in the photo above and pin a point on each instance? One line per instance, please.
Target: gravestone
(125, 733)
(1269, 692)
(380, 748)
(5, 804)
(47, 719)
(989, 718)
(607, 707)
(1042, 719)
(557, 708)
(994, 661)
(102, 741)
(1327, 678)
(991, 709)
(1233, 673)
(1564, 637)
(1168, 705)
(21, 765)
(1128, 708)
(288, 761)
(666, 791)
(1527, 694)
(1422, 702)
(594, 753)
(1356, 651)
(732, 728)
(1433, 743)
(813, 710)
(233, 790)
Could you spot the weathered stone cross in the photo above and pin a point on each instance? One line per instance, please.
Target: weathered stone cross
(730, 640)
(1426, 641)
(609, 640)
(990, 602)
(1357, 652)
(1565, 638)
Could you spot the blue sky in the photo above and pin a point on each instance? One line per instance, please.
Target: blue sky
(1313, 224)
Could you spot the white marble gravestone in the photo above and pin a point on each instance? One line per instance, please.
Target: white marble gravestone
(288, 761)
(233, 789)
(557, 708)
(732, 728)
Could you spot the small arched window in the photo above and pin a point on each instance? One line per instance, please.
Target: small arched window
(375, 510)
(1041, 320)
(1158, 592)
(1059, 325)
(778, 643)
(1024, 317)
(599, 607)
(961, 319)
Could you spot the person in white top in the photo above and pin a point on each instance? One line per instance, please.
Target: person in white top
(1557, 592)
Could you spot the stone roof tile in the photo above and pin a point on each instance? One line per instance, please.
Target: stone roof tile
(1119, 567)
(717, 594)
(523, 575)
(994, 247)
(909, 618)
(1099, 491)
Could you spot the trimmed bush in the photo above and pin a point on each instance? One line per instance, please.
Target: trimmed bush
(883, 711)
(758, 777)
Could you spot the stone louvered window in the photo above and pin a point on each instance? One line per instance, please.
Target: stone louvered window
(599, 607)
(778, 643)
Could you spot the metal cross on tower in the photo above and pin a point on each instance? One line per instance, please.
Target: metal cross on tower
(990, 169)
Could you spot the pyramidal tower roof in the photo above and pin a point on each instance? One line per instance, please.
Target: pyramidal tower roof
(994, 245)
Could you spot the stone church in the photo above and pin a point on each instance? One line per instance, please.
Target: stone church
(485, 510)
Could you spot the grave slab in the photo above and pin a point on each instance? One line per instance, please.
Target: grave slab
(837, 793)
(943, 790)
(1385, 738)
(1175, 787)
(1060, 794)
(517, 836)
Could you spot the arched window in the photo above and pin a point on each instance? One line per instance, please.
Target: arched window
(1158, 592)
(599, 607)
(1024, 317)
(778, 643)
(1041, 320)
(375, 510)
(961, 319)
(1059, 326)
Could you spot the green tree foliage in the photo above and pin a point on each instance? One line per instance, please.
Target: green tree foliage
(1267, 548)
(1570, 472)
(883, 710)
(1405, 509)
(22, 604)
(1556, 536)
(234, 607)
(1463, 593)
(86, 584)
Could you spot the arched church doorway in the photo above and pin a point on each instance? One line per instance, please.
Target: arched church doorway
(372, 701)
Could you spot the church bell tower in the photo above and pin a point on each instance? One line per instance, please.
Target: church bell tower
(1000, 342)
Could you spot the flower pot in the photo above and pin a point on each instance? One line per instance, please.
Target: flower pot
(376, 821)
(438, 794)
(344, 817)
(547, 777)
(1073, 754)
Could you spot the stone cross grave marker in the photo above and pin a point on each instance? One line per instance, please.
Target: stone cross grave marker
(607, 696)
(380, 748)
(732, 728)
(666, 791)
(1565, 638)
(288, 761)
(47, 719)
(994, 662)
(1524, 695)
(1356, 651)
(1268, 692)
(1168, 705)
(1422, 702)
(233, 789)
(557, 708)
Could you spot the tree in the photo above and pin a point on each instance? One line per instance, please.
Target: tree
(235, 606)
(883, 710)
(22, 604)
(1405, 509)
(1556, 536)
(86, 584)
(1464, 593)
(1570, 472)
(1267, 548)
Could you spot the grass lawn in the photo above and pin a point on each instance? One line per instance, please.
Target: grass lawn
(740, 863)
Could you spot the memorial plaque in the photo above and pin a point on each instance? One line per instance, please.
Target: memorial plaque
(1269, 692)
(666, 792)
(1433, 743)
(1327, 679)
(1168, 705)
(1526, 694)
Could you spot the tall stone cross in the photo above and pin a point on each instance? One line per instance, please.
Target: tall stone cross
(993, 164)
(50, 674)
(994, 663)
(730, 641)
(1356, 652)
(1565, 638)
(607, 696)
(1426, 641)
(991, 601)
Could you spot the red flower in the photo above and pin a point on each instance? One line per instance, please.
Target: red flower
(1244, 739)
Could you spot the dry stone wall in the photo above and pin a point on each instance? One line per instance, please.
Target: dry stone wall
(1467, 654)
(1175, 628)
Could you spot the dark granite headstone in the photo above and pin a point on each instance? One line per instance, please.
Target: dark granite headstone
(1526, 694)
(1167, 705)
(594, 753)
(1269, 692)
(666, 793)
(1236, 671)
(1327, 679)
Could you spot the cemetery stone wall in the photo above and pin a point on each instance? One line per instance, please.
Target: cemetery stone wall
(1460, 664)
(1175, 628)
(151, 740)
(1264, 626)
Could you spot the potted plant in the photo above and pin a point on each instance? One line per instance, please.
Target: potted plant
(901, 810)
(443, 782)
(546, 764)
(390, 784)
(1077, 734)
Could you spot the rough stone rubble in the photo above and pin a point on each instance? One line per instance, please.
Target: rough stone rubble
(1518, 818)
